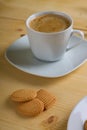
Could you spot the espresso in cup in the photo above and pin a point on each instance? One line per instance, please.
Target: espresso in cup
(49, 23)
(49, 34)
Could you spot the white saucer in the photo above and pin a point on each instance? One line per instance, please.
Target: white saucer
(78, 116)
(20, 56)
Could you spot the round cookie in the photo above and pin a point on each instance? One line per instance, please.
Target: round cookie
(85, 125)
(31, 108)
(23, 95)
(47, 98)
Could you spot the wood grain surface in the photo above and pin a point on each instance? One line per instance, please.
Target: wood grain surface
(68, 89)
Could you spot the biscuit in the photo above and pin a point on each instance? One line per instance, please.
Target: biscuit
(31, 108)
(85, 125)
(46, 98)
(23, 95)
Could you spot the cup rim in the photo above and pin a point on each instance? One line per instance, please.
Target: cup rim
(31, 17)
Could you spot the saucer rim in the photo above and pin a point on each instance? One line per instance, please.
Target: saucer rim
(45, 76)
(84, 98)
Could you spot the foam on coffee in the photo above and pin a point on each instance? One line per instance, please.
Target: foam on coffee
(49, 23)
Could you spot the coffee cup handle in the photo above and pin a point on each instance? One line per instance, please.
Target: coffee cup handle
(76, 32)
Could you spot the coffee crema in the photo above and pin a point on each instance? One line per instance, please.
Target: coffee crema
(49, 23)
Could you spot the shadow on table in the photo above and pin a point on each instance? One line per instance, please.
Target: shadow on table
(8, 72)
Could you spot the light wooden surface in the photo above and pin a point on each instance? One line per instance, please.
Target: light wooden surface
(68, 89)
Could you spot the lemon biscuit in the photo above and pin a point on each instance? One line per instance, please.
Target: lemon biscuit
(23, 95)
(31, 108)
(47, 98)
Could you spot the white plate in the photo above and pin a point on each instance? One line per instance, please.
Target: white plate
(78, 116)
(20, 56)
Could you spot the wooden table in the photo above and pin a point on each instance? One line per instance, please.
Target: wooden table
(68, 89)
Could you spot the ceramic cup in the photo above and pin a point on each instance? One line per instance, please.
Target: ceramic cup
(50, 46)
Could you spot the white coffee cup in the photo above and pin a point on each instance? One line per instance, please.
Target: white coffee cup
(50, 46)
